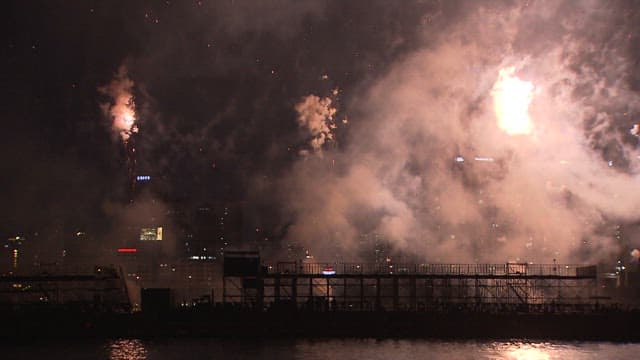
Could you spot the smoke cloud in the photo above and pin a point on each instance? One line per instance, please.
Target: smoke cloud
(552, 192)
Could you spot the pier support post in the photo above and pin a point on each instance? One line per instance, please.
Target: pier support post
(224, 290)
(344, 294)
(378, 293)
(396, 295)
(294, 290)
(361, 293)
(260, 294)
(412, 293)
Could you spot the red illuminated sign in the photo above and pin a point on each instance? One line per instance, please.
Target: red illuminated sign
(127, 250)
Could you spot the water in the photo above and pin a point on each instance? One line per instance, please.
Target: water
(351, 349)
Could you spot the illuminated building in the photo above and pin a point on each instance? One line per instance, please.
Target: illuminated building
(78, 248)
(14, 262)
(151, 234)
(381, 249)
(295, 251)
(139, 184)
(201, 242)
(130, 149)
(14, 246)
(213, 230)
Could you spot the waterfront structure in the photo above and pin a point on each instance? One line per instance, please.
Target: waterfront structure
(407, 287)
(100, 289)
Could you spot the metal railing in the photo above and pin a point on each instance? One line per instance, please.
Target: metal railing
(511, 269)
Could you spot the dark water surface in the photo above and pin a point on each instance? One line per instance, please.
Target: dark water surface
(361, 349)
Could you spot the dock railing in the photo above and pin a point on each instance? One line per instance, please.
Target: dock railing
(506, 269)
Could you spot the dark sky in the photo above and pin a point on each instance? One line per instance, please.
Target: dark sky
(220, 90)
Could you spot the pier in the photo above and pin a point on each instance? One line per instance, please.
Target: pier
(405, 287)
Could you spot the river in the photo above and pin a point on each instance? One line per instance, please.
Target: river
(339, 349)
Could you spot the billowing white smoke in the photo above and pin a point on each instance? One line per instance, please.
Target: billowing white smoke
(121, 109)
(548, 194)
(315, 114)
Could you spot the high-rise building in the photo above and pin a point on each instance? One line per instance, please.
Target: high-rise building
(13, 251)
(213, 229)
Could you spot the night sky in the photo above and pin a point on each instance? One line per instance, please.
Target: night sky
(329, 121)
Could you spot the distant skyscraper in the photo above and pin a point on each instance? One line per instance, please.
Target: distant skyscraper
(14, 246)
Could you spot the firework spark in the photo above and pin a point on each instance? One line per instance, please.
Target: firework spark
(121, 109)
(317, 116)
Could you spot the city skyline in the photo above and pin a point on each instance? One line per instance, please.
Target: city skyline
(453, 130)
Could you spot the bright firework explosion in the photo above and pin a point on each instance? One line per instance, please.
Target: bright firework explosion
(122, 107)
(511, 99)
(317, 115)
(122, 112)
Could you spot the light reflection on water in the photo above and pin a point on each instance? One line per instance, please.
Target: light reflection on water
(315, 349)
(518, 350)
(529, 352)
(127, 349)
(365, 349)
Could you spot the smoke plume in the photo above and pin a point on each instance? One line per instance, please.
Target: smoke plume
(410, 171)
